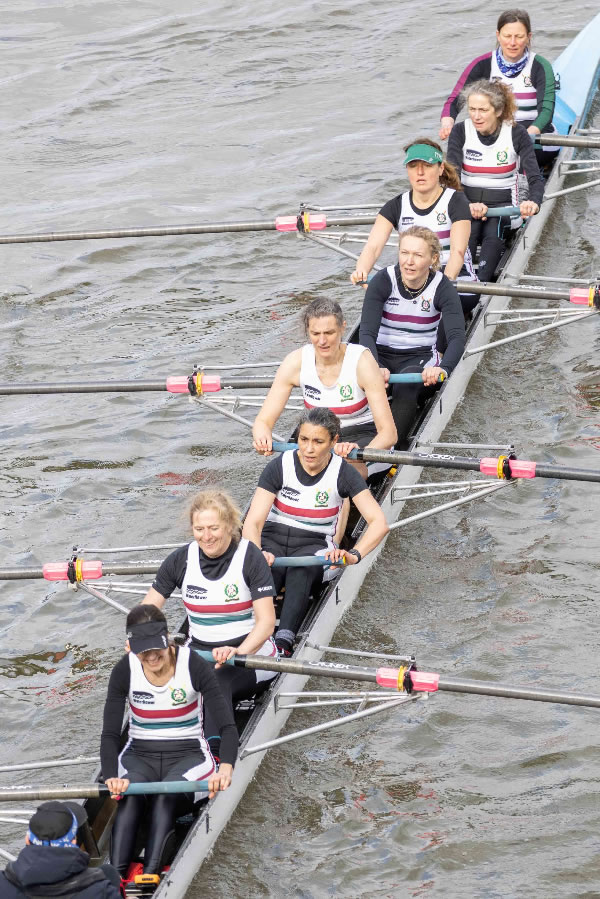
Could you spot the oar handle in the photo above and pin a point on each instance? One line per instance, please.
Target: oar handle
(497, 211)
(170, 786)
(303, 562)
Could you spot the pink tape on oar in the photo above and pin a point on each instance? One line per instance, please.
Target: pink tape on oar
(422, 681)
(290, 222)
(582, 296)
(59, 571)
(519, 468)
(210, 384)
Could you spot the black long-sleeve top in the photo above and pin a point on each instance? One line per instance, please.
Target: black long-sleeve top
(523, 146)
(446, 301)
(203, 680)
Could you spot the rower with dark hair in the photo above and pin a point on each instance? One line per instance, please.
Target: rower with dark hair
(334, 375)
(54, 861)
(487, 148)
(167, 688)
(295, 512)
(528, 74)
(435, 201)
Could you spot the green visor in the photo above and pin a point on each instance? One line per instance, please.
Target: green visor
(425, 153)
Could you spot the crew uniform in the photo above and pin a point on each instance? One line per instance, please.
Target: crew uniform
(531, 78)
(400, 328)
(218, 594)
(489, 164)
(345, 398)
(451, 206)
(166, 742)
(302, 521)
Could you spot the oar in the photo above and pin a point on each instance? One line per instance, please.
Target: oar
(98, 790)
(409, 680)
(559, 140)
(92, 569)
(281, 223)
(579, 296)
(195, 384)
(500, 467)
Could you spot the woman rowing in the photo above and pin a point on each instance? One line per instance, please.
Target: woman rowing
(487, 149)
(339, 376)
(403, 308)
(227, 590)
(528, 74)
(167, 688)
(295, 511)
(435, 201)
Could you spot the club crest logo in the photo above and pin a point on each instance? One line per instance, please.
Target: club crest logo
(425, 305)
(346, 392)
(178, 695)
(231, 592)
(322, 498)
(441, 218)
(527, 81)
(502, 156)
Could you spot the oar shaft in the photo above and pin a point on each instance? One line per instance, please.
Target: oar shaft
(482, 288)
(509, 692)
(559, 140)
(108, 568)
(216, 383)
(168, 230)
(296, 666)
(94, 791)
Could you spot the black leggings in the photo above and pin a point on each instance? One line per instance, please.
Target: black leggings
(299, 583)
(492, 235)
(160, 811)
(405, 396)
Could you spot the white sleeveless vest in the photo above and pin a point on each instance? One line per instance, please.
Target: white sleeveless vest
(524, 91)
(170, 712)
(494, 167)
(221, 610)
(346, 399)
(312, 509)
(437, 220)
(409, 324)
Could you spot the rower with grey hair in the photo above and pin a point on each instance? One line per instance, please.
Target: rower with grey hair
(334, 375)
(54, 861)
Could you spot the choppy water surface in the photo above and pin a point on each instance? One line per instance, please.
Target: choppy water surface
(117, 115)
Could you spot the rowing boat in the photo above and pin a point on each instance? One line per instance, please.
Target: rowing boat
(578, 71)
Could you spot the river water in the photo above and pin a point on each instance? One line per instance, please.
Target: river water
(121, 115)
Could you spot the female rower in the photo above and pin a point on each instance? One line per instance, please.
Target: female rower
(402, 310)
(167, 688)
(340, 376)
(295, 509)
(528, 74)
(486, 148)
(435, 201)
(227, 590)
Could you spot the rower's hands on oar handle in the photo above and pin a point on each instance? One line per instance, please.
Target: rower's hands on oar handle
(117, 786)
(386, 375)
(262, 439)
(344, 449)
(222, 654)
(478, 210)
(446, 125)
(270, 558)
(220, 781)
(359, 277)
(527, 208)
(431, 375)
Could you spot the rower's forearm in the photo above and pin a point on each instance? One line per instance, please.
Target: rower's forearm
(259, 634)
(371, 538)
(454, 264)
(367, 259)
(252, 532)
